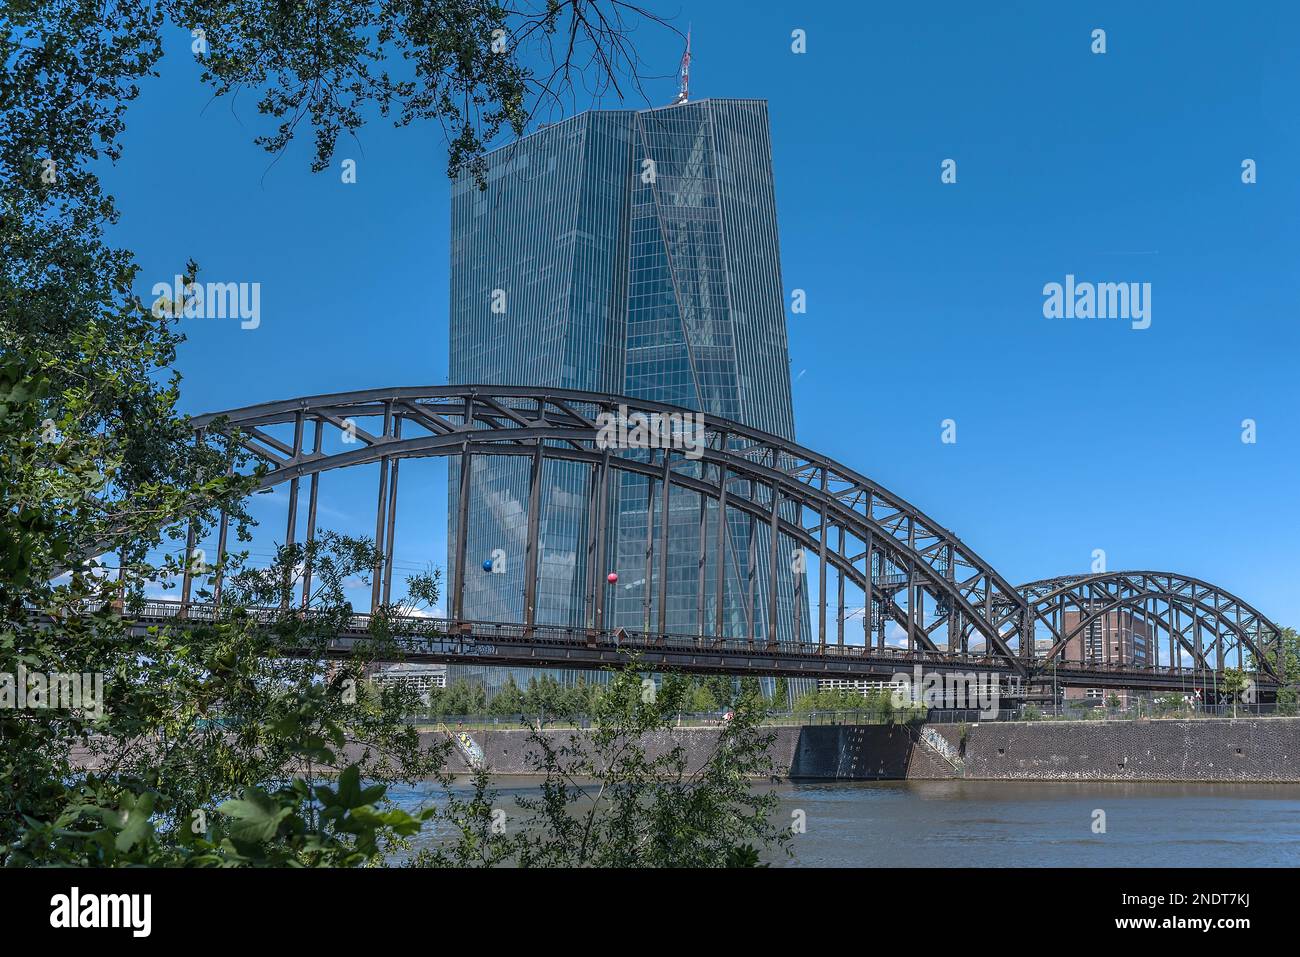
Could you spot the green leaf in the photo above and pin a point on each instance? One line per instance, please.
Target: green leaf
(256, 818)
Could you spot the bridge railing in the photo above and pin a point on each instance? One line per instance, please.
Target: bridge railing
(360, 625)
(415, 629)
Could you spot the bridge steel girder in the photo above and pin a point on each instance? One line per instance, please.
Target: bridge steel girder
(884, 546)
(768, 478)
(1094, 596)
(450, 641)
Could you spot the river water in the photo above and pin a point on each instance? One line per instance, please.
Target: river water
(1014, 824)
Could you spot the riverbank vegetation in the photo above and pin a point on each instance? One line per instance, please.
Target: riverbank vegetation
(210, 741)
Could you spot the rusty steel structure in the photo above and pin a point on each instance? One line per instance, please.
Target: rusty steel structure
(1194, 618)
(871, 553)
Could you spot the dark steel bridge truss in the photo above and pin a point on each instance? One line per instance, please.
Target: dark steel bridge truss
(873, 554)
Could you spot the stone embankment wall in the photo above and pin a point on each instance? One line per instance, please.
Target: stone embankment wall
(512, 752)
(1247, 749)
(849, 752)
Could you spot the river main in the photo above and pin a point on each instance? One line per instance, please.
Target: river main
(1011, 824)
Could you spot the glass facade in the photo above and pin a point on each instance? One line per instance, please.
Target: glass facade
(630, 252)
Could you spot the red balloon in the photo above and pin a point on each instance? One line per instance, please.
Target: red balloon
(612, 578)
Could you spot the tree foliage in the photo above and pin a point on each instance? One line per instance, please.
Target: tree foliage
(249, 739)
(609, 797)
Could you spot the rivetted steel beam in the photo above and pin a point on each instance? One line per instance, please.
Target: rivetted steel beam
(533, 545)
(312, 495)
(434, 445)
(391, 529)
(976, 598)
(602, 514)
(462, 533)
(773, 530)
(649, 552)
(450, 445)
(291, 521)
(1138, 589)
(821, 571)
(720, 561)
(665, 505)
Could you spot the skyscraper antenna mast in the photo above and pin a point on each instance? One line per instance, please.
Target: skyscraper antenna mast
(683, 92)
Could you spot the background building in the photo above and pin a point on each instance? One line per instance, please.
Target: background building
(418, 677)
(1118, 637)
(631, 252)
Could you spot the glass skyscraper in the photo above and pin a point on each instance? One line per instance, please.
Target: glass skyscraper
(631, 252)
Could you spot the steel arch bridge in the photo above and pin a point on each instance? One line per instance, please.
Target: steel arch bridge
(878, 555)
(1196, 619)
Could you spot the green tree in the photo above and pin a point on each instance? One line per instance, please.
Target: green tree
(720, 687)
(215, 736)
(607, 801)
(458, 700)
(702, 700)
(508, 701)
(781, 695)
(751, 692)
(544, 697)
(1288, 666)
(1235, 682)
(465, 65)
(576, 699)
(674, 694)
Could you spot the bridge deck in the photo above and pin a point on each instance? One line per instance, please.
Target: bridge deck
(448, 641)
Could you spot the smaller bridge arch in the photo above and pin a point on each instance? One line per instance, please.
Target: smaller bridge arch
(1193, 618)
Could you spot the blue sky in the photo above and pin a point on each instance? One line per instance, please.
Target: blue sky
(924, 299)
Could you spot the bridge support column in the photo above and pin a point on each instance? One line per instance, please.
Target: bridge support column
(752, 578)
(377, 573)
(821, 573)
(223, 523)
(462, 532)
(187, 574)
(391, 532)
(291, 521)
(911, 607)
(839, 577)
(649, 553)
(665, 505)
(314, 489)
(799, 599)
(532, 545)
(773, 529)
(868, 598)
(700, 561)
(602, 512)
(720, 564)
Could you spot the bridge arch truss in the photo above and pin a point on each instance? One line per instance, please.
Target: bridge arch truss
(1083, 619)
(873, 555)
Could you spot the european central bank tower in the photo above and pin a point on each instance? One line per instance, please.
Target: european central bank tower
(631, 252)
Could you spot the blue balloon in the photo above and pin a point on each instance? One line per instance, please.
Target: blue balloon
(487, 564)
